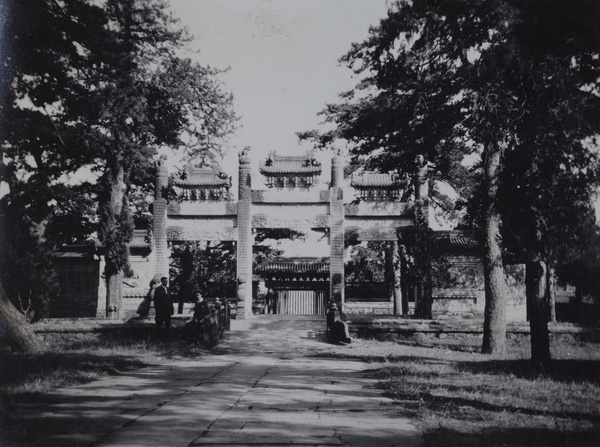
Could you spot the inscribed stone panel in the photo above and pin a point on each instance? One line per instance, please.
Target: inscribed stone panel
(378, 222)
(202, 209)
(371, 234)
(291, 221)
(383, 209)
(289, 196)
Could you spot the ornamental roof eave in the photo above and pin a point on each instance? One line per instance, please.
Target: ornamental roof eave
(193, 177)
(294, 266)
(141, 239)
(290, 165)
(370, 180)
(290, 169)
(458, 240)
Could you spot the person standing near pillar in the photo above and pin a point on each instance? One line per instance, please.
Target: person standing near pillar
(163, 305)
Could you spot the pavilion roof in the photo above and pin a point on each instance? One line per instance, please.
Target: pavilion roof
(202, 177)
(290, 165)
(375, 180)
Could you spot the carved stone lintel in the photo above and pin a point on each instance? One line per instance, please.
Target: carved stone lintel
(371, 234)
(266, 221)
(379, 209)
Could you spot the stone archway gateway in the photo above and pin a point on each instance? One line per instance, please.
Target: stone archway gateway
(204, 212)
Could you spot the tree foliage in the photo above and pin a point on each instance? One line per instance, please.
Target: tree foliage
(203, 267)
(94, 89)
(501, 98)
(263, 250)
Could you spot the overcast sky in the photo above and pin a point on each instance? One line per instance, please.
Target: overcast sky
(282, 56)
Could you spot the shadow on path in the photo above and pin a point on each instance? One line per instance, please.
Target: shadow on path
(263, 385)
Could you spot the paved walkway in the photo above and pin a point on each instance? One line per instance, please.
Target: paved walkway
(270, 382)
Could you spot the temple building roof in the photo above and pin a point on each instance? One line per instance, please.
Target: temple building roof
(457, 240)
(311, 268)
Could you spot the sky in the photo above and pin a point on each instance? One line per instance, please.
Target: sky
(282, 57)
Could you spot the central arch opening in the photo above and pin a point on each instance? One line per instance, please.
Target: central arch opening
(290, 271)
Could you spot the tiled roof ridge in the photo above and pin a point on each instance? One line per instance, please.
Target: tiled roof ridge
(295, 265)
(140, 238)
(290, 164)
(202, 176)
(375, 179)
(459, 238)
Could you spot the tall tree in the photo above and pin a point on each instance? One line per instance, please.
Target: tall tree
(456, 81)
(103, 86)
(551, 172)
(424, 79)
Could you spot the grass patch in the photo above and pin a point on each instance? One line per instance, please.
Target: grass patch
(462, 398)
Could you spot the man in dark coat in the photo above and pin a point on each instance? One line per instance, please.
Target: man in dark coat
(163, 305)
(201, 308)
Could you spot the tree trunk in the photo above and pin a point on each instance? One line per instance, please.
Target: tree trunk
(392, 276)
(114, 269)
(403, 280)
(424, 300)
(114, 295)
(578, 308)
(397, 273)
(13, 324)
(536, 292)
(551, 293)
(496, 290)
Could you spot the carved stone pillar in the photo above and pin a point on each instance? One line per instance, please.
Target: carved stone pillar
(336, 232)
(159, 221)
(403, 268)
(245, 242)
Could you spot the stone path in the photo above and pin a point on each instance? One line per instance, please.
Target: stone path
(269, 383)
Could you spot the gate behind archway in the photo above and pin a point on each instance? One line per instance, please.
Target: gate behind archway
(204, 212)
(297, 286)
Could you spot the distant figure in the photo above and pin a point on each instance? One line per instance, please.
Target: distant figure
(144, 307)
(196, 329)
(163, 305)
(271, 302)
(201, 308)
